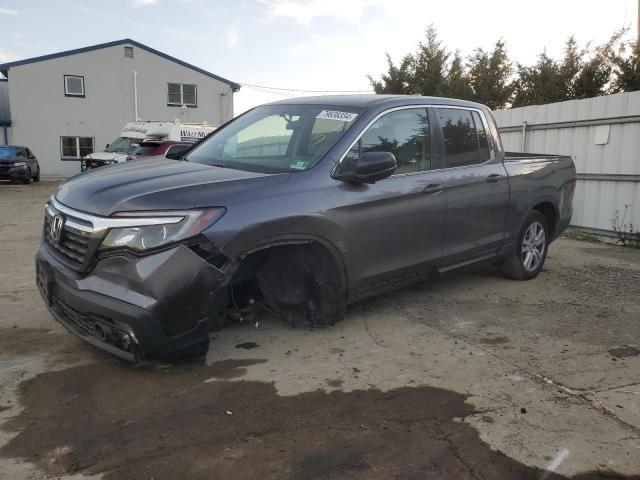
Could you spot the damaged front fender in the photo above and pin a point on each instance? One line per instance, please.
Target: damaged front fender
(162, 303)
(176, 286)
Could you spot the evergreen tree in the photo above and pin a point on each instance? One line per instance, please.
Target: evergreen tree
(490, 76)
(457, 81)
(398, 80)
(430, 65)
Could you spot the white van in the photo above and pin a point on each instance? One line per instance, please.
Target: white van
(135, 132)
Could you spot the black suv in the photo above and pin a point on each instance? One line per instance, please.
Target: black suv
(18, 163)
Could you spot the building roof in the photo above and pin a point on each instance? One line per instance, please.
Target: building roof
(4, 68)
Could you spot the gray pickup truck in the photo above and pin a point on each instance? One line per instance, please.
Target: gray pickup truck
(298, 207)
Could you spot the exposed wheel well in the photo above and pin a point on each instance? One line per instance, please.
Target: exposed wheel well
(549, 211)
(302, 281)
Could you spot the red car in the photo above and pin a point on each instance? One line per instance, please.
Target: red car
(157, 148)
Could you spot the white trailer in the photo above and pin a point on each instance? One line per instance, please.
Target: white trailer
(136, 132)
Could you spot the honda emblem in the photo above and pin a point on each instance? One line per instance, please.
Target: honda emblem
(57, 222)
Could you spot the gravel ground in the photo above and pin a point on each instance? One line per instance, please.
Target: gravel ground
(469, 376)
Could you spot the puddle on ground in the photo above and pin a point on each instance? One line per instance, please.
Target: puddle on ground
(247, 345)
(169, 423)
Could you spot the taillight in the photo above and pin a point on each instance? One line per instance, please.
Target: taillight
(574, 181)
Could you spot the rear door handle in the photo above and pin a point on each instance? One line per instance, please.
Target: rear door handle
(433, 188)
(494, 177)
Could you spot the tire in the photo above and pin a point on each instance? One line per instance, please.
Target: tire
(37, 177)
(27, 179)
(531, 249)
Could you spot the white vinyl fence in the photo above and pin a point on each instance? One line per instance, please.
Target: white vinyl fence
(603, 136)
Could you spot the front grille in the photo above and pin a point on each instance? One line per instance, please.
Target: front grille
(74, 248)
(71, 245)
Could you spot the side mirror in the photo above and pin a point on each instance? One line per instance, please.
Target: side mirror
(369, 168)
(174, 155)
(107, 146)
(31, 157)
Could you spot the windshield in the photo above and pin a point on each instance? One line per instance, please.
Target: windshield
(7, 152)
(143, 149)
(276, 138)
(121, 145)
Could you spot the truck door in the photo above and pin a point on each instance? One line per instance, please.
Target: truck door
(477, 187)
(394, 226)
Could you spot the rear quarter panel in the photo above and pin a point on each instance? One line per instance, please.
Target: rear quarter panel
(537, 180)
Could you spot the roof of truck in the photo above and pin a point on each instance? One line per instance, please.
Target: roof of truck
(373, 100)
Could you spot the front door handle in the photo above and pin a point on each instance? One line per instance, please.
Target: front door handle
(494, 177)
(433, 188)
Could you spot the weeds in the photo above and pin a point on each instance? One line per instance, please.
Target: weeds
(581, 236)
(627, 236)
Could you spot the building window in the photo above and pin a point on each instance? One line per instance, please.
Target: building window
(128, 52)
(73, 86)
(74, 148)
(179, 94)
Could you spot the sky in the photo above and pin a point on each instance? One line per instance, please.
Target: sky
(322, 45)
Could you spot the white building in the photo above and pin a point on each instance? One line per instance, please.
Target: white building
(69, 104)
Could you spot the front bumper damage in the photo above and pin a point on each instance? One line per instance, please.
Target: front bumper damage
(156, 306)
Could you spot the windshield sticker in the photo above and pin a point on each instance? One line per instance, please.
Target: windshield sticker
(300, 164)
(335, 115)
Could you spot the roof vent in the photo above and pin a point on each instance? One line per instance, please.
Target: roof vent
(128, 52)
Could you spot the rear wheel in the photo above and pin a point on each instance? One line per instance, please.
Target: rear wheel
(531, 249)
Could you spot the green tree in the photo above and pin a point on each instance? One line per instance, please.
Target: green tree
(431, 65)
(539, 84)
(457, 82)
(626, 72)
(398, 79)
(490, 76)
(578, 75)
(593, 78)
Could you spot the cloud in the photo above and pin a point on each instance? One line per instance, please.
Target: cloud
(144, 3)
(233, 35)
(6, 11)
(304, 11)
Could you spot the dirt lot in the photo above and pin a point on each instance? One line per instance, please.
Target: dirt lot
(470, 376)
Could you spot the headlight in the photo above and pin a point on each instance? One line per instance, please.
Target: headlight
(19, 164)
(145, 237)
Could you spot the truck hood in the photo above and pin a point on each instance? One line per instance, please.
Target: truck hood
(102, 155)
(160, 184)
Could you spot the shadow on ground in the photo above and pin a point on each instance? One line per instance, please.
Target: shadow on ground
(189, 421)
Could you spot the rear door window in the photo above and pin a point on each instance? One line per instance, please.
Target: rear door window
(405, 133)
(465, 137)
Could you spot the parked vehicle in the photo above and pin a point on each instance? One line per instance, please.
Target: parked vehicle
(301, 207)
(18, 163)
(135, 133)
(158, 149)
